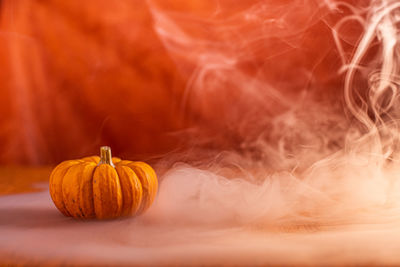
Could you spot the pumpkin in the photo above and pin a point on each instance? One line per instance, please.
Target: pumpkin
(103, 187)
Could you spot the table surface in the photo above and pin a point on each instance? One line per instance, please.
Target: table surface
(33, 232)
(22, 179)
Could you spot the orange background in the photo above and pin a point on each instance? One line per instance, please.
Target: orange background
(73, 80)
(76, 75)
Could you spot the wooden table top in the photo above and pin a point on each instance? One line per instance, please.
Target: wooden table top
(22, 179)
(17, 180)
(34, 233)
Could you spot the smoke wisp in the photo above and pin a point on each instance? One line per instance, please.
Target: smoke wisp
(293, 144)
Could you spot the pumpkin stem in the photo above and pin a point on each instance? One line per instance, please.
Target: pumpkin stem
(105, 156)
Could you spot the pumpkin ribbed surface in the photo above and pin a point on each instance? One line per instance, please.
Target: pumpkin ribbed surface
(102, 188)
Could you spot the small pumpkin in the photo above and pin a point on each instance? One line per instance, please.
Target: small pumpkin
(103, 187)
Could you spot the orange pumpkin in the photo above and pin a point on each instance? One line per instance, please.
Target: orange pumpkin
(103, 187)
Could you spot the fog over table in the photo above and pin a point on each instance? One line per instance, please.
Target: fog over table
(273, 127)
(34, 232)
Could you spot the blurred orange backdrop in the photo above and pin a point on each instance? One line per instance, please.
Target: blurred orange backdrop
(76, 75)
(79, 74)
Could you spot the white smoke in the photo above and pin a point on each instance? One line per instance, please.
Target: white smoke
(282, 170)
